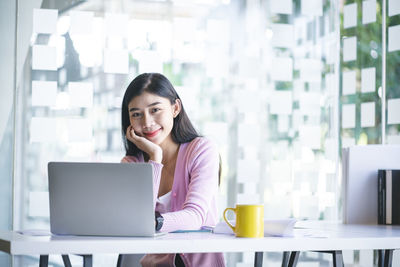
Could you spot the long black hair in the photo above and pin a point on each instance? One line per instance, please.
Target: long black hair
(155, 83)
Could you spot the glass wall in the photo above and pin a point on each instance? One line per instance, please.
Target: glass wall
(7, 120)
(392, 72)
(280, 85)
(369, 94)
(361, 79)
(6, 174)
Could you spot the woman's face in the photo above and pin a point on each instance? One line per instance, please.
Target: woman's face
(152, 116)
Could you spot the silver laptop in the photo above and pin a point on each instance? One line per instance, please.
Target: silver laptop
(101, 199)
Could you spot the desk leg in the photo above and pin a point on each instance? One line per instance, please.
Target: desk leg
(337, 258)
(44, 261)
(87, 260)
(285, 258)
(258, 259)
(381, 257)
(294, 257)
(67, 262)
(119, 262)
(388, 258)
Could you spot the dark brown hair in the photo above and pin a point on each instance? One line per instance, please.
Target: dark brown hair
(155, 83)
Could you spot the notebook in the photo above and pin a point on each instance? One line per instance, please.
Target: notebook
(101, 199)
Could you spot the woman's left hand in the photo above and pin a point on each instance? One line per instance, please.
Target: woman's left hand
(154, 151)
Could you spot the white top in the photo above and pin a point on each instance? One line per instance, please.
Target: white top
(164, 203)
(308, 236)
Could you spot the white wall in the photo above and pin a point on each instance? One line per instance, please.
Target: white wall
(7, 66)
(7, 62)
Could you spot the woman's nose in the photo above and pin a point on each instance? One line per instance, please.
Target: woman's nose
(148, 121)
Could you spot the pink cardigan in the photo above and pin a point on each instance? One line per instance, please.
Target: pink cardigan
(193, 199)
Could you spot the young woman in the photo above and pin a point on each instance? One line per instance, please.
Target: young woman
(157, 130)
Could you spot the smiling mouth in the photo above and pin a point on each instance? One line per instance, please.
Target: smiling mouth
(152, 134)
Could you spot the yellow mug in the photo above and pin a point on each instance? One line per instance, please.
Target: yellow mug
(249, 220)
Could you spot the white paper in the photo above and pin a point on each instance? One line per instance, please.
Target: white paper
(216, 61)
(283, 123)
(394, 7)
(43, 130)
(394, 38)
(248, 134)
(282, 35)
(393, 111)
(368, 11)
(81, 22)
(35, 232)
(311, 7)
(81, 94)
(349, 116)
(281, 6)
(116, 24)
(368, 114)
(217, 31)
(349, 82)
(310, 103)
(310, 70)
(248, 101)
(79, 130)
(150, 61)
(368, 76)
(116, 61)
(44, 57)
(183, 28)
(217, 131)
(248, 170)
(250, 187)
(39, 204)
(310, 136)
(250, 152)
(280, 170)
(45, 20)
(350, 15)
(282, 69)
(283, 227)
(349, 48)
(281, 102)
(44, 93)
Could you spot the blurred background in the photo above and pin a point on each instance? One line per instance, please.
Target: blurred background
(280, 85)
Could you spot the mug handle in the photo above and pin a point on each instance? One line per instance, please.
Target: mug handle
(226, 220)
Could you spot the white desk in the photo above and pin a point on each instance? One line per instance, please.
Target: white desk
(316, 236)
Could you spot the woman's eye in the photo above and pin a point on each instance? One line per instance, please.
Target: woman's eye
(155, 110)
(135, 115)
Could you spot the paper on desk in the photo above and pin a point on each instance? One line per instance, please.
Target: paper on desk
(313, 233)
(35, 232)
(283, 227)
